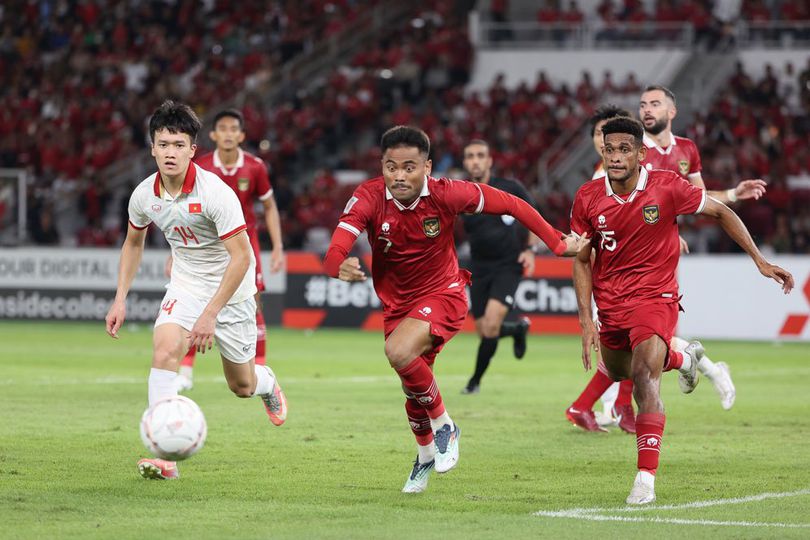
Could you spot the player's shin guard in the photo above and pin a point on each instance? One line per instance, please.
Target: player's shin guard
(261, 339)
(649, 432)
(596, 387)
(418, 381)
(161, 385)
(625, 396)
(188, 359)
(419, 421)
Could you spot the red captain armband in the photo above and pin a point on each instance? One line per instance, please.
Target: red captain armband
(500, 202)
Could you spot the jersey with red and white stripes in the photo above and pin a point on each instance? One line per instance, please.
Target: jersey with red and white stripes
(635, 236)
(196, 222)
(248, 178)
(413, 248)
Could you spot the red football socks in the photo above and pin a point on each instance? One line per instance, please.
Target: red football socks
(649, 432)
(596, 387)
(419, 382)
(188, 359)
(674, 360)
(625, 392)
(261, 339)
(419, 420)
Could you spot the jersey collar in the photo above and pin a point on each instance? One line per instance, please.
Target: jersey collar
(240, 162)
(650, 143)
(424, 193)
(640, 186)
(188, 183)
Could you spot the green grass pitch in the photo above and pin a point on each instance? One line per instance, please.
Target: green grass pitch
(72, 399)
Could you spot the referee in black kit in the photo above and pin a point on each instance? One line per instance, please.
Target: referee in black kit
(498, 246)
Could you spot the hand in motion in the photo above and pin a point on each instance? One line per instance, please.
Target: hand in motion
(574, 243)
(115, 318)
(590, 339)
(202, 334)
(750, 189)
(779, 275)
(276, 260)
(526, 259)
(350, 270)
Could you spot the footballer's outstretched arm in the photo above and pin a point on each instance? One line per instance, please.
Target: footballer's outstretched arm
(499, 202)
(131, 254)
(735, 228)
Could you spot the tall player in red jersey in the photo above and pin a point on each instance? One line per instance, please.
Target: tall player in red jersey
(633, 213)
(669, 152)
(247, 175)
(409, 217)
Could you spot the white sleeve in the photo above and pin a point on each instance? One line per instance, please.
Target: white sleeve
(226, 212)
(137, 216)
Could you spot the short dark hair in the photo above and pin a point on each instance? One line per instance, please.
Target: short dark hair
(229, 113)
(175, 118)
(606, 112)
(625, 125)
(405, 136)
(667, 92)
(482, 142)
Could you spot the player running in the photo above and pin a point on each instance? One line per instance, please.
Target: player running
(246, 174)
(501, 251)
(210, 295)
(408, 217)
(633, 212)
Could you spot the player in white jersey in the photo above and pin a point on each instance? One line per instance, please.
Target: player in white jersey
(210, 294)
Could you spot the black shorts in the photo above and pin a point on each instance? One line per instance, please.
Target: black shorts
(498, 283)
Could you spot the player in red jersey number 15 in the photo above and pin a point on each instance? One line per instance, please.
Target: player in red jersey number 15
(633, 213)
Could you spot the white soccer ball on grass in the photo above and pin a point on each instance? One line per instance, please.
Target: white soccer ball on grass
(174, 428)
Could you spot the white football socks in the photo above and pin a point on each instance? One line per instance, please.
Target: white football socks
(426, 453)
(264, 381)
(437, 423)
(161, 384)
(186, 371)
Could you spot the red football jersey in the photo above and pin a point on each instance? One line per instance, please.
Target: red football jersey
(681, 156)
(413, 249)
(248, 178)
(635, 236)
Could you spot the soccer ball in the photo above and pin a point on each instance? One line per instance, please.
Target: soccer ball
(174, 428)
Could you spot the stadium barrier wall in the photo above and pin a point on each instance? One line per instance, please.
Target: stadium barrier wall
(725, 297)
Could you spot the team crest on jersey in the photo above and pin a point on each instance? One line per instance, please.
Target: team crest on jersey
(651, 214)
(243, 184)
(431, 227)
(683, 167)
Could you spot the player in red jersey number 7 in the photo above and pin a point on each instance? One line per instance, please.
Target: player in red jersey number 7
(633, 212)
(409, 217)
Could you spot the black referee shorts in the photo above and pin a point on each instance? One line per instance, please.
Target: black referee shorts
(498, 283)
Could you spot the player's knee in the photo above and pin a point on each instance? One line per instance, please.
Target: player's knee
(490, 328)
(164, 358)
(398, 356)
(242, 388)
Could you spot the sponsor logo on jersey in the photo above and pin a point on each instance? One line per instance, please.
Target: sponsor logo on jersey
(683, 167)
(602, 221)
(431, 227)
(243, 183)
(425, 311)
(156, 208)
(195, 208)
(651, 214)
(386, 228)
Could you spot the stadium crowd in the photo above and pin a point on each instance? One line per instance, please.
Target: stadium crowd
(80, 86)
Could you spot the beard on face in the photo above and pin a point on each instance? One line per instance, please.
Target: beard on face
(659, 126)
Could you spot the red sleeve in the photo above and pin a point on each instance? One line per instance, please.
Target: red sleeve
(694, 163)
(499, 202)
(687, 198)
(339, 247)
(351, 225)
(462, 196)
(580, 224)
(263, 187)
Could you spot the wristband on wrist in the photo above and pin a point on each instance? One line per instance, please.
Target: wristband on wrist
(732, 194)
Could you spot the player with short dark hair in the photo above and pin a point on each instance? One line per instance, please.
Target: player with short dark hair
(247, 176)
(501, 251)
(631, 217)
(408, 217)
(210, 294)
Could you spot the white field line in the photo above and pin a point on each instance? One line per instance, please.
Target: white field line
(604, 514)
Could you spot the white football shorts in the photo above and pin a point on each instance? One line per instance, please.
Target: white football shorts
(235, 332)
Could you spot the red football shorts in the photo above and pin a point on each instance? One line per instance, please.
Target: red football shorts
(624, 329)
(254, 242)
(446, 312)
